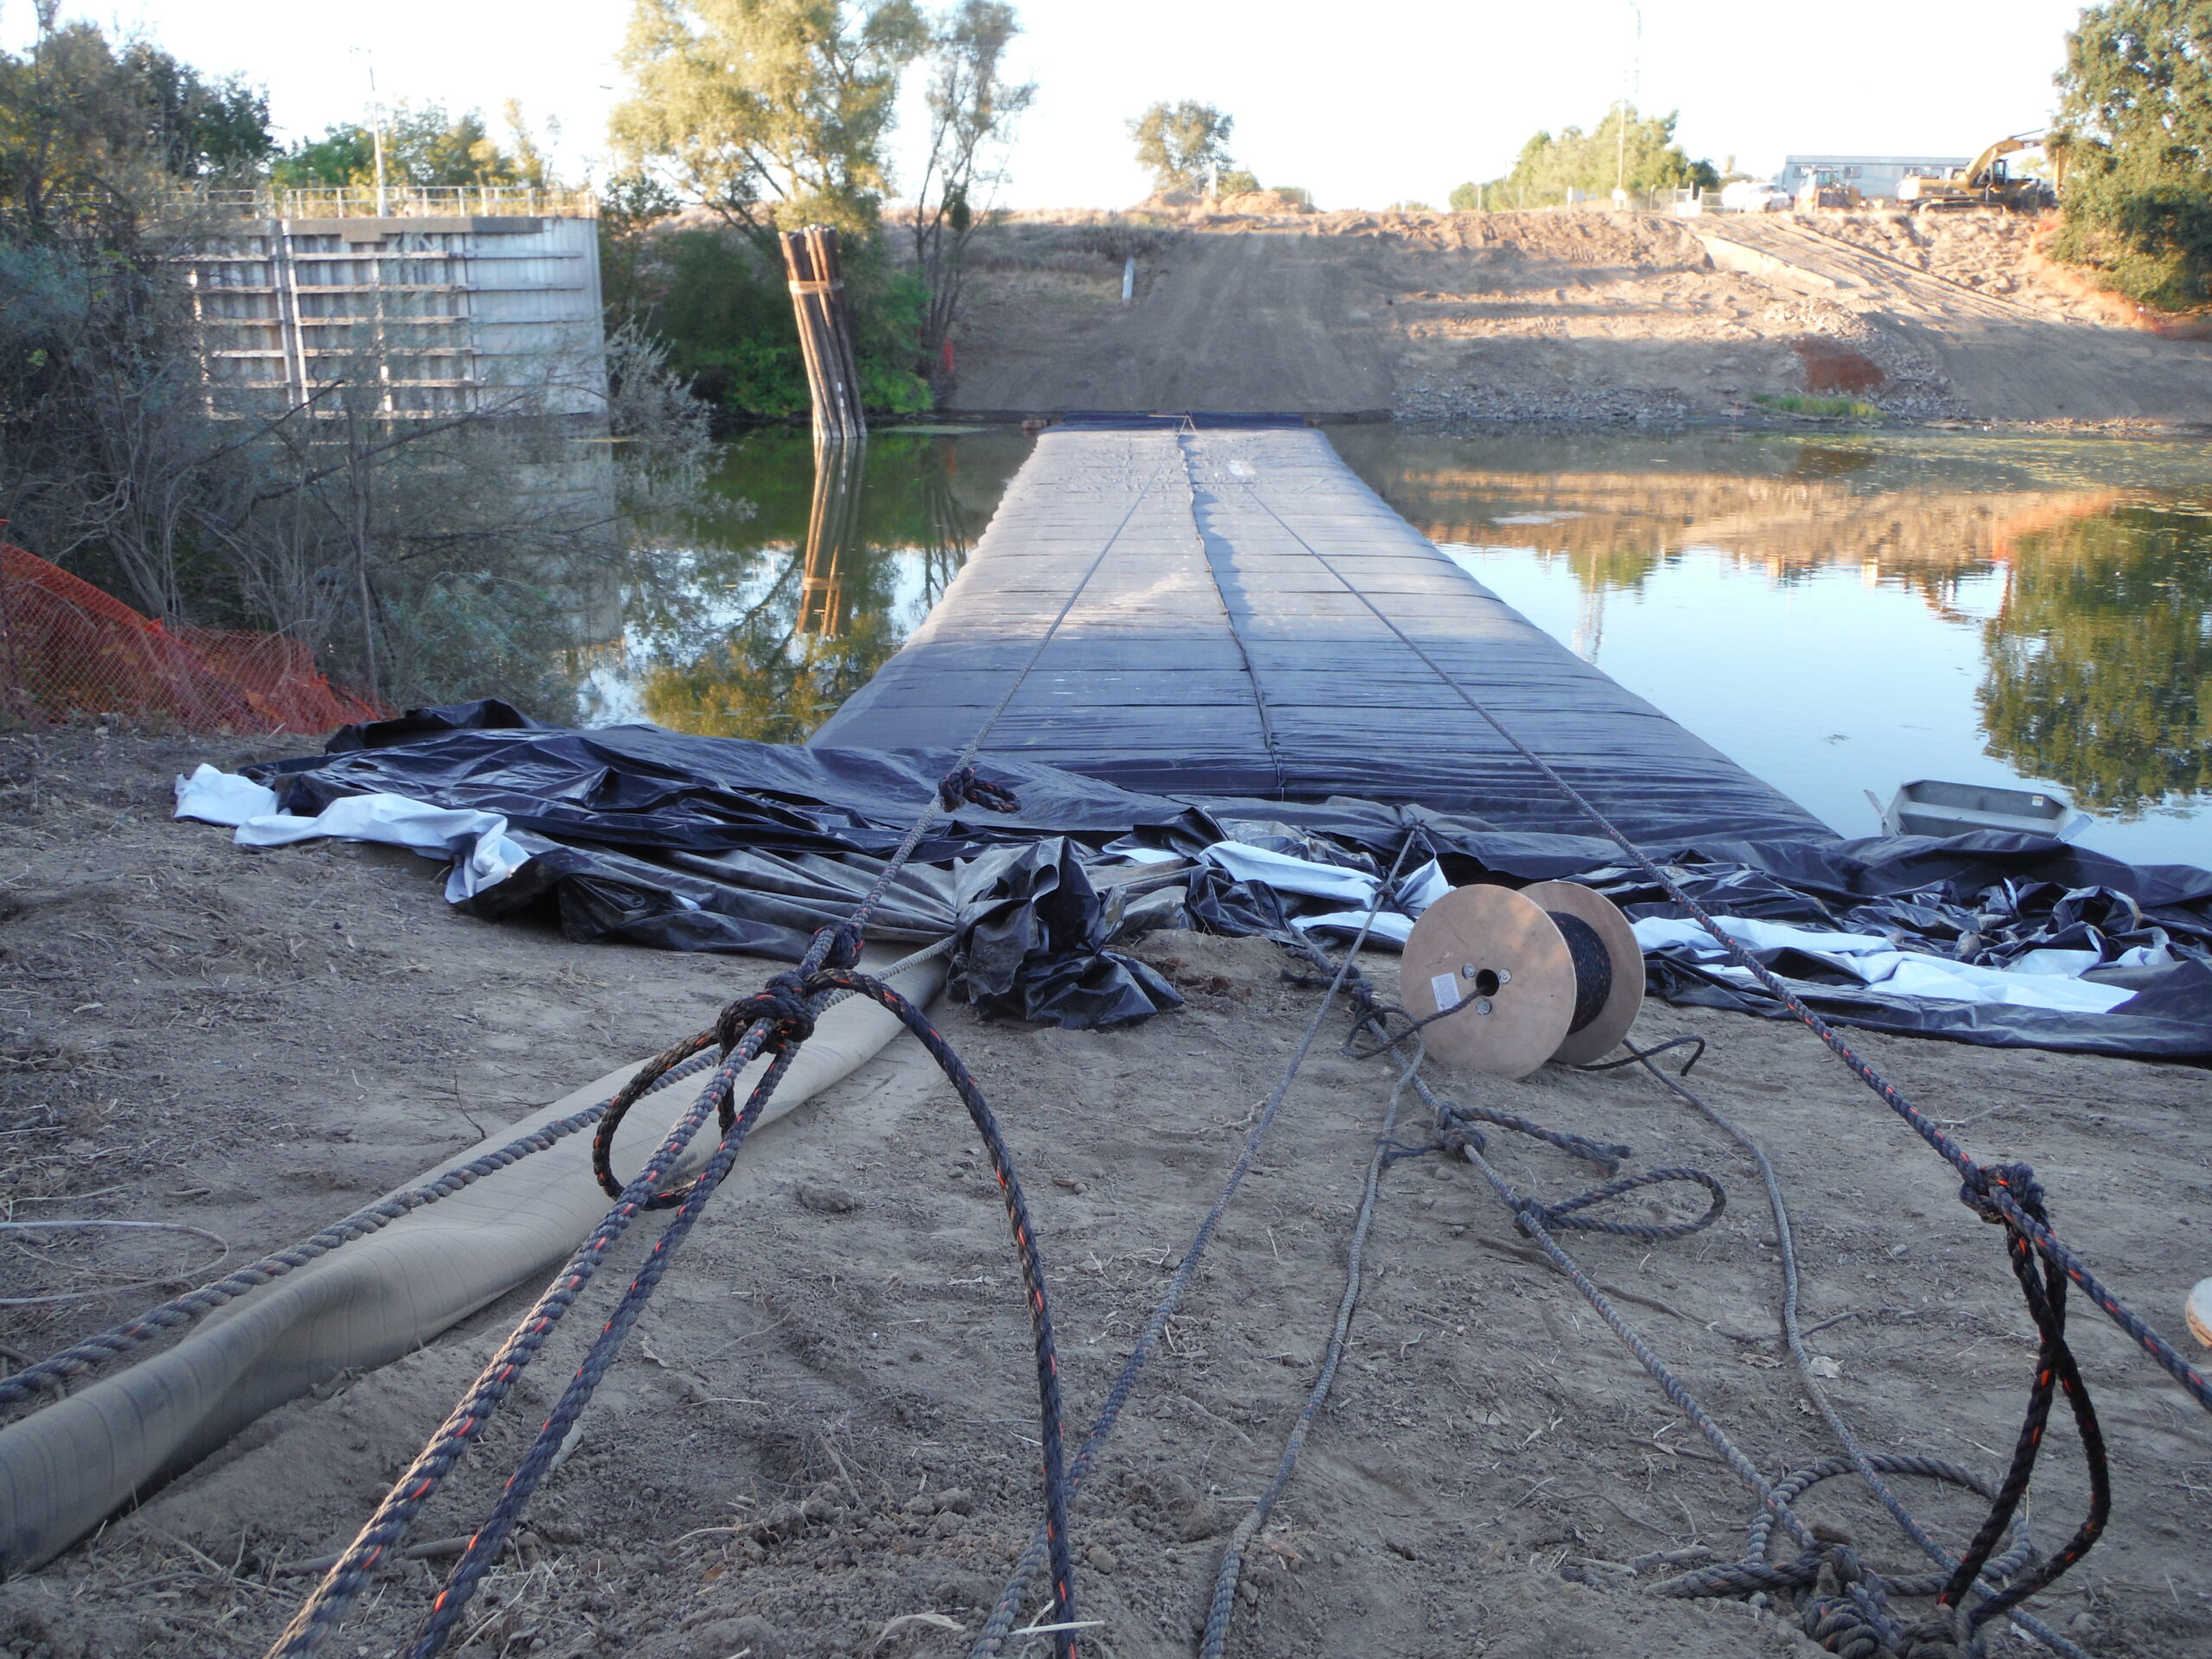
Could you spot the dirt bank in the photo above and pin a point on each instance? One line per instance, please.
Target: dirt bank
(250, 1043)
(1556, 315)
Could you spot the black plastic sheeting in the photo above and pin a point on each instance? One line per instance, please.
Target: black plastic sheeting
(1211, 651)
(653, 837)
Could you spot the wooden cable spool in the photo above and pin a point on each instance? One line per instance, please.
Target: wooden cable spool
(1552, 972)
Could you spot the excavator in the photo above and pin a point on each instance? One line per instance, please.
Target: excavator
(1987, 183)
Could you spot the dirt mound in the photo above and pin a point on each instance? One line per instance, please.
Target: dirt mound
(1994, 253)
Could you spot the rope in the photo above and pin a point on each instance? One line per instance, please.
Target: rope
(1981, 1187)
(51, 1374)
(1870, 1468)
(1232, 1562)
(1008, 1606)
(1854, 1592)
(484, 1547)
(1755, 1574)
(318, 1615)
(1853, 1617)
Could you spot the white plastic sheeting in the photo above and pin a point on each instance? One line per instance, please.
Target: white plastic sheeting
(482, 852)
(2041, 979)
(1241, 861)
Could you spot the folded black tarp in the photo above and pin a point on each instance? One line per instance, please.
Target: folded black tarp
(718, 844)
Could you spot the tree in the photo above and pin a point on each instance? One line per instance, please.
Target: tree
(773, 113)
(972, 108)
(1638, 151)
(423, 147)
(1183, 143)
(2136, 131)
(84, 122)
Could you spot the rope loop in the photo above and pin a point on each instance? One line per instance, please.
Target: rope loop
(1456, 1124)
(784, 1001)
(962, 787)
(1555, 1216)
(2019, 1183)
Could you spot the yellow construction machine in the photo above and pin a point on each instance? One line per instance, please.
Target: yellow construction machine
(1986, 181)
(1822, 188)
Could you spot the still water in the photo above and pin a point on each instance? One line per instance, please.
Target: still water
(1838, 614)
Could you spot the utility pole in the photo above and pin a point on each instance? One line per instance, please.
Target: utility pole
(376, 124)
(1635, 91)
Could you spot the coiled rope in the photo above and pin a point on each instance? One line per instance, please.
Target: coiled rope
(1870, 1468)
(1845, 1606)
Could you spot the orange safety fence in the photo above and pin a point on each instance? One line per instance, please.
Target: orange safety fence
(68, 650)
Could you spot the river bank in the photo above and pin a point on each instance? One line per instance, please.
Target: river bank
(822, 1429)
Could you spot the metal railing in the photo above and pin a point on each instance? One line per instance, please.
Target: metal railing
(410, 201)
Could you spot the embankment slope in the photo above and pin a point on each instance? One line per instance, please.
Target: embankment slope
(1552, 316)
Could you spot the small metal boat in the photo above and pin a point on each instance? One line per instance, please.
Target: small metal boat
(1928, 806)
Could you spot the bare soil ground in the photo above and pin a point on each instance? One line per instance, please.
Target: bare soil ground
(823, 1428)
(1578, 316)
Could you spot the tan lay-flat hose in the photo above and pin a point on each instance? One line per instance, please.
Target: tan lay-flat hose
(67, 1468)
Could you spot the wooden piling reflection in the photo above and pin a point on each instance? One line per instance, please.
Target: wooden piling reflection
(830, 526)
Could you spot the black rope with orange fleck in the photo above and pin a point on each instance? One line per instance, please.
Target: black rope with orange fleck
(1033, 1280)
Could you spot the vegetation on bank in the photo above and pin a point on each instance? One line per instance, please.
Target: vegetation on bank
(1825, 408)
(418, 559)
(764, 116)
(2136, 135)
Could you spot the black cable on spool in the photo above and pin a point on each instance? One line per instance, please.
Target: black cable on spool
(1593, 968)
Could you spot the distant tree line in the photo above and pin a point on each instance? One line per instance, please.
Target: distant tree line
(1635, 152)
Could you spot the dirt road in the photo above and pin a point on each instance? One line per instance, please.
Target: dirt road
(821, 1442)
(1229, 322)
(1582, 315)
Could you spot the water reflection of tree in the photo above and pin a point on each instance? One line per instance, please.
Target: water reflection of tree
(2099, 671)
(772, 618)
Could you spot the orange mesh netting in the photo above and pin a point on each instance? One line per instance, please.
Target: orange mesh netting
(67, 650)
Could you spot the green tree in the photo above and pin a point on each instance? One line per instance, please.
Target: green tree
(972, 108)
(2137, 134)
(773, 113)
(1637, 150)
(84, 123)
(422, 146)
(1183, 143)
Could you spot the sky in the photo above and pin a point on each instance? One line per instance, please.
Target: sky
(1363, 105)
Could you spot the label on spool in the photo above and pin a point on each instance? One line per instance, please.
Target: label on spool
(1444, 988)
